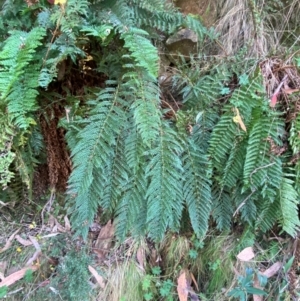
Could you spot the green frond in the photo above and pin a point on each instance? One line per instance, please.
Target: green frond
(16, 55)
(199, 89)
(245, 204)
(93, 156)
(196, 187)
(288, 205)
(164, 193)
(283, 210)
(131, 211)
(233, 170)
(225, 135)
(141, 50)
(268, 214)
(222, 207)
(259, 162)
(147, 114)
(205, 122)
(117, 175)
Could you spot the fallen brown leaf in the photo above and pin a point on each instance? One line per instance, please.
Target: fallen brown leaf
(246, 255)
(104, 240)
(11, 279)
(35, 243)
(99, 278)
(9, 241)
(67, 224)
(140, 256)
(182, 287)
(23, 241)
(272, 270)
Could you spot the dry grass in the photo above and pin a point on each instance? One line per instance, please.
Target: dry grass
(243, 23)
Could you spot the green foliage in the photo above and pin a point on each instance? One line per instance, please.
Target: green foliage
(73, 275)
(213, 157)
(246, 288)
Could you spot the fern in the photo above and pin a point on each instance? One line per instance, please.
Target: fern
(243, 165)
(215, 156)
(15, 58)
(164, 193)
(283, 210)
(147, 114)
(95, 149)
(131, 211)
(257, 161)
(196, 187)
(222, 207)
(148, 58)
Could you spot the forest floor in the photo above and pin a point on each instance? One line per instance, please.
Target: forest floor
(40, 260)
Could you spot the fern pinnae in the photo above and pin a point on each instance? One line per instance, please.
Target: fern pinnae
(196, 187)
(117, 175)
(259, 162)
(233, 170)
(95, 148)
(222, 207)
(268, 213)
(289, 201)
(222, 139)
(164, 195)
(147, 114)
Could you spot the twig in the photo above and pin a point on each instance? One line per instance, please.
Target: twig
(258, 168)
(48, 204)
(243, 203)
(254, 190)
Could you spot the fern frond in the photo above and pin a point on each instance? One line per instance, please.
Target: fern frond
(269, 213)
(147, 114)
(117, 175)
(131, 211)
(233, 170)
(93, 155)
(164, 193)
(223, 137)
(283, 210)
(16, 55)
(222, 209)
(22, 98)
(205, 122)
(196, 187)
(142, 51)
(288, 203)
(258, 161)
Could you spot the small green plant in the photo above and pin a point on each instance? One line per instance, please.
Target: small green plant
(155, 288)
(245, 287)
(213, 266)
(72, 277)
(28, 276)
(166, 289)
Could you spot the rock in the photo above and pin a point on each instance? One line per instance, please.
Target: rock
(206, 9)
(183, 42)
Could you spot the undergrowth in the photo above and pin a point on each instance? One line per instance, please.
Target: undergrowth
(210, 144)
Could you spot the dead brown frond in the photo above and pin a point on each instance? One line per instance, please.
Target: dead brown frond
(278, 73)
